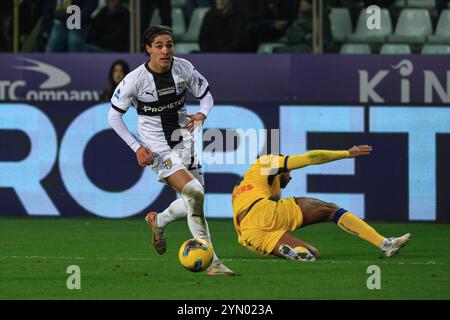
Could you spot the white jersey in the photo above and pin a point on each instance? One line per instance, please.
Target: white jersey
(160, 102)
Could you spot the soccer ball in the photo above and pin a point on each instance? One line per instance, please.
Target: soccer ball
(195, 255)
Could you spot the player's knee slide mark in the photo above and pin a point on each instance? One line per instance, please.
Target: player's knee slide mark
(193, 195)
(338, 214)
(297, 253)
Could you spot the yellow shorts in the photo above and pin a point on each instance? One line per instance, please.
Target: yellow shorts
(267, 221)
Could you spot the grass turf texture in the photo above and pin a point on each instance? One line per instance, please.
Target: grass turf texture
(117, 262)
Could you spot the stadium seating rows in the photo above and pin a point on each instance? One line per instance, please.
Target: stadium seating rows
(187, 37)
(413, 28)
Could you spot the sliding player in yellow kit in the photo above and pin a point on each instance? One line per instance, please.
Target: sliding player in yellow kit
(264, 222)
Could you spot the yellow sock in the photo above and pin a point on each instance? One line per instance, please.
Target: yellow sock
(354, 225)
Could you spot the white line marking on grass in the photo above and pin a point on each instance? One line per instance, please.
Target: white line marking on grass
(79, 258)
(386, 261)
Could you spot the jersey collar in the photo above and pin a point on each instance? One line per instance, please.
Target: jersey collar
(157, 73)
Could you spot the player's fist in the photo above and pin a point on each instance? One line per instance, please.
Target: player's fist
(144, 156)
(361, 150)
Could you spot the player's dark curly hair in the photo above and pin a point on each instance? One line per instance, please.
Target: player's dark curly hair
(152, 32)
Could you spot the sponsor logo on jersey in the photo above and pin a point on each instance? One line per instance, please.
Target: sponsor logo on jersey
(165, 91)
(173, 105)
(150, 93)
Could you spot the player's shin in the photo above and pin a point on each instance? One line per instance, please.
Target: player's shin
(175, 211)
(354, 225)
(193, 196)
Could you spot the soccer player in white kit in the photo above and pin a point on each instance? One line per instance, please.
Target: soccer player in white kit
(165, 141)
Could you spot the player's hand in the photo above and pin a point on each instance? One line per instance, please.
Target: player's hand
(144, 156)
(195, 120)
(361, 150)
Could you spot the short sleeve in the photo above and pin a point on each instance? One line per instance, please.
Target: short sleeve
(273, 164)
(124, 95)
(196, 83)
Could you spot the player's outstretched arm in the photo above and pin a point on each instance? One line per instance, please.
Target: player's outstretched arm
(323, 156)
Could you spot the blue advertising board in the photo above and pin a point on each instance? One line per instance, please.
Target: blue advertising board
(59, 156)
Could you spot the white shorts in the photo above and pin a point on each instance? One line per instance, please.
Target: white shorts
(167, 163)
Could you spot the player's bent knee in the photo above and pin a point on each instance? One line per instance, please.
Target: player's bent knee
(330, 209)
(193, 189)
(332, 206)
(193, 195)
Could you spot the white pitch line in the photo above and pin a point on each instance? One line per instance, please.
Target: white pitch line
(80, 258)
(244, 259)
(386, 261)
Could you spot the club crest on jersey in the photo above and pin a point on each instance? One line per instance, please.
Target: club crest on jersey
(181, 86)
(167, 164)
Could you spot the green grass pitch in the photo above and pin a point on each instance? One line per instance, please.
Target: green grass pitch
(117, 262)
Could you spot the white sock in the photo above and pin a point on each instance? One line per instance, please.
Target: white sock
(199, 229)
(175, 211)
(193, 196)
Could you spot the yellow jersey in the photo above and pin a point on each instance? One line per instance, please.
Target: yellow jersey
(262, 180)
